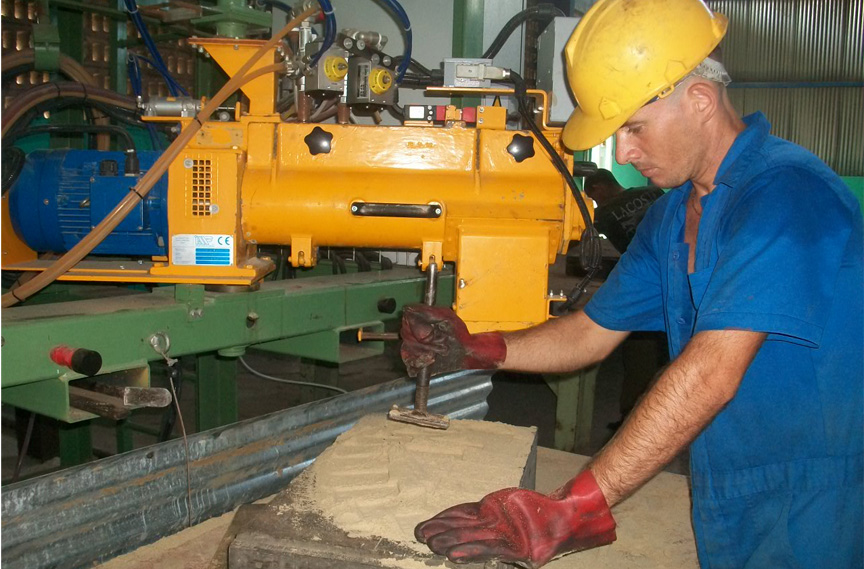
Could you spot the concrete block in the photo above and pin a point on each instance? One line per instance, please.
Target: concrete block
(358, 504)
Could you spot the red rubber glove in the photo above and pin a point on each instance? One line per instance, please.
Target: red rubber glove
(434, 337)
(522, 526)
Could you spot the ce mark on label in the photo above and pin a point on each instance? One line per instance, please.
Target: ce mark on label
(223, 241)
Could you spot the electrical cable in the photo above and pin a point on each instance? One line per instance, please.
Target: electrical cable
(419, 67)
(16, 63)
(406, 54)
(64, 89)
(590, 254)
(171, 373)
(149, 179)
(169, 417)
(540, 12)
(22, 452)
(257, 373)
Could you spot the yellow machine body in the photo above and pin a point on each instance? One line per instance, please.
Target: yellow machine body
(256, 181)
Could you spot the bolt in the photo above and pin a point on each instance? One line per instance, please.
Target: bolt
(252, 319)
(45, 201)
(188, 163)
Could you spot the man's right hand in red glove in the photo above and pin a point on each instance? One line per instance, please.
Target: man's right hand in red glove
(434, 337)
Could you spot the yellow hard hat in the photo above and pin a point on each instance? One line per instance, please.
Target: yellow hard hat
(623, 53)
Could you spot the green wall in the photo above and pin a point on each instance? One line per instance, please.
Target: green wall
(856, 184)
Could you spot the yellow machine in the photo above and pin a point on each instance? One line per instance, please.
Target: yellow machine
(483, 197)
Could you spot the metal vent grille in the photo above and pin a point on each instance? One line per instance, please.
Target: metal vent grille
(201, 187)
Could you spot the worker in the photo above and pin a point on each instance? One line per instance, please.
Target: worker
(617, 215)
(618, 212)
(752, 265)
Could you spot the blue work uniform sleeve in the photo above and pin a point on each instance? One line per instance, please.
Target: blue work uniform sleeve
(631, 299)
(778, 257)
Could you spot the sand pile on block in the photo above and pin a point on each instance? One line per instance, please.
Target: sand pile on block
(381, 478)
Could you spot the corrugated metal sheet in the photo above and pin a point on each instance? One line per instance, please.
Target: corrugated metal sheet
(803, 41)
(83, 515)
(827, 121)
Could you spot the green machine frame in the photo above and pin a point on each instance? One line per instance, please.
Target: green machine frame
(305, 317)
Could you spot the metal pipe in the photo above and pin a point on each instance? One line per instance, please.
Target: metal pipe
(421, 396)
(431, 283)
(343, 113)
(364, 335)
(795, 84)
(301, 100)
(94, 512)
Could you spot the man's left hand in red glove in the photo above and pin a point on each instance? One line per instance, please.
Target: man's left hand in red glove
(521, 526)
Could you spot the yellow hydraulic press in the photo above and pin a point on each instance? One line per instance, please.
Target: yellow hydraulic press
(465, 190)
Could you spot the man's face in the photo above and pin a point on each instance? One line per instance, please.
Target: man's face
(661, 141)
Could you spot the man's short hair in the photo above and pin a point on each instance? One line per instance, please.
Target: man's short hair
(601, 178)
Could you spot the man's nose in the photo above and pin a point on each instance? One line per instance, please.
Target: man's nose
(625, 151)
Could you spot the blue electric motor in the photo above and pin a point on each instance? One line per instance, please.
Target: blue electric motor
(61, 195)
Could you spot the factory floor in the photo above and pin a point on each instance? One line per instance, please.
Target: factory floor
(517, 399)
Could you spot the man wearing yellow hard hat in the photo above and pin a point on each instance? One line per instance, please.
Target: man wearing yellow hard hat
(752, 265)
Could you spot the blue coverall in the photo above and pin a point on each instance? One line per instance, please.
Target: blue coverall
(777, 475)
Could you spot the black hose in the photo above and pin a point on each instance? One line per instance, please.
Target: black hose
(416, 65)
(540, 12)
(131, 166)
(280, 5)
(13, 162)
(589, 250)
(75, 129)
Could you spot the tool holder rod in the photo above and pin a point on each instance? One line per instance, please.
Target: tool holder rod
(421, 396)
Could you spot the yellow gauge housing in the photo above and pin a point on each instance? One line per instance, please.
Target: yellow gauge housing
(335, 68)
(380, 81)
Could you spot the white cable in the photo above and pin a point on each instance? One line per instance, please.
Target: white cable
(290, 381)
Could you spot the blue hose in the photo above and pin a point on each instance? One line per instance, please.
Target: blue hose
(158, 63)
(329, 31)
(406, 55)
(134, 72)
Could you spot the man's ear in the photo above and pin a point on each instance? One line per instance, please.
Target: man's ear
(703, 98)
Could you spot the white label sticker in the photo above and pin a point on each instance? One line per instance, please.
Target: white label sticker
(213, 250)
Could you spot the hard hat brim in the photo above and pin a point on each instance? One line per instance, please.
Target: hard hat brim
(583, 132)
